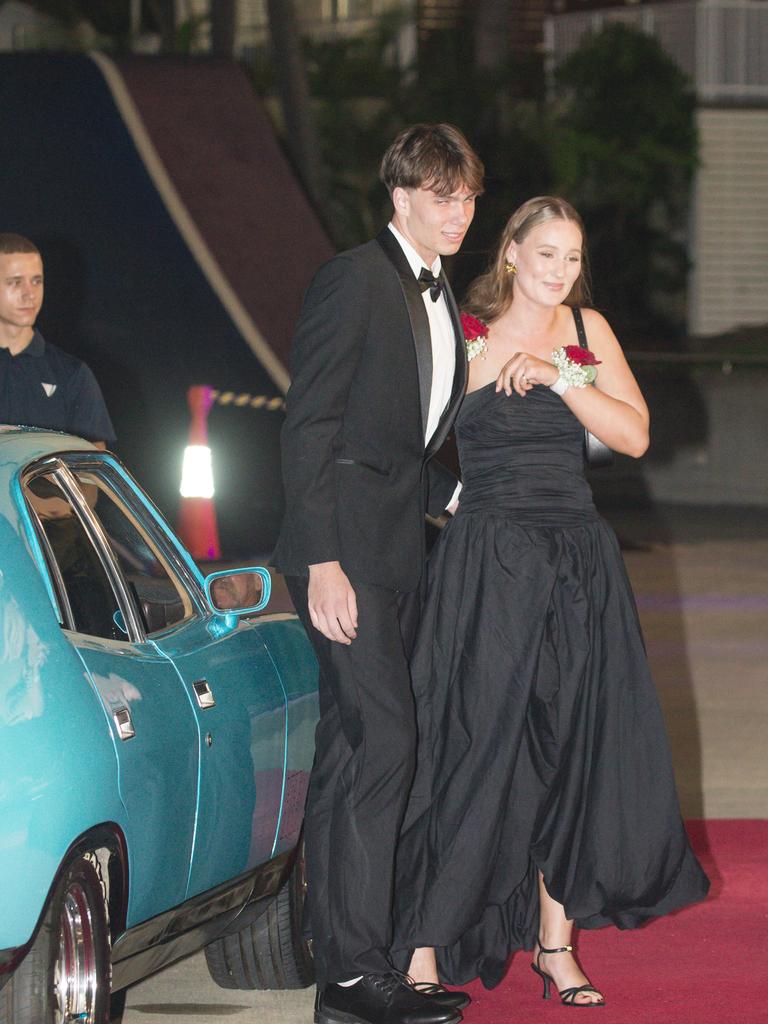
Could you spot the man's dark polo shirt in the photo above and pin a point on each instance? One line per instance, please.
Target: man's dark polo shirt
(46, 387)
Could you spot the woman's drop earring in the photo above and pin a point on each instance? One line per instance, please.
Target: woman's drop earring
(510, 268)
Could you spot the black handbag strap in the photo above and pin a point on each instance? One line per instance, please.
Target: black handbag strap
(595, 452)
(580, 327)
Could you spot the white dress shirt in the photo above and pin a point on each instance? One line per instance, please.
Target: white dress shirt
(441, 335)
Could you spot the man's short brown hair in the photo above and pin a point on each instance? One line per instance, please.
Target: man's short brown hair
(10, 243)
(432, 156)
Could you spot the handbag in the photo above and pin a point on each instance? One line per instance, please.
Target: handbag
(596, 454)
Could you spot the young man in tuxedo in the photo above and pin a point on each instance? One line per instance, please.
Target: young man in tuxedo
(378, 373)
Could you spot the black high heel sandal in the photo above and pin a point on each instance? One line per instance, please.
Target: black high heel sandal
(567, 995)
(442, 996)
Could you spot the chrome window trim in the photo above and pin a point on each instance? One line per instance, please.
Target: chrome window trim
(54, 466)
(59, 590)
(63, 465)
(107, 557)
(148, 513)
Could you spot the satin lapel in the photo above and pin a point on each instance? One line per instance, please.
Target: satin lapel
(418, 317)
(459, 376)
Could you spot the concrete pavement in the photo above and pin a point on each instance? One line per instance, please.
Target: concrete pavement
(185, 994)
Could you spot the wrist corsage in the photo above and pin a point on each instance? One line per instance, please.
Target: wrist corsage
(475, 335)
(577, 366)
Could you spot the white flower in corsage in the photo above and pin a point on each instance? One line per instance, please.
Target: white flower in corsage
(577, 366)
(475, 335)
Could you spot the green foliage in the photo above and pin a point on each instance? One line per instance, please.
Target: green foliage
(624, 150)
(617, 138)
(362, 99)
(108, 17)
(188, 33)
(349, 79)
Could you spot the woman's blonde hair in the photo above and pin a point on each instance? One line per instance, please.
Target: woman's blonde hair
(491, 293)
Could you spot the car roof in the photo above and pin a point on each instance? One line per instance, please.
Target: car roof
(20, 444)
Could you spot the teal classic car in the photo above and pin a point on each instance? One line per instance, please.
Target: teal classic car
(156, 737)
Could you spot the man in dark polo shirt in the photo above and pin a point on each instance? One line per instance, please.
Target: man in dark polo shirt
(40, 385)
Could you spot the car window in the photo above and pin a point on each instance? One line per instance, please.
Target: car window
(89, 594)
(162, 598)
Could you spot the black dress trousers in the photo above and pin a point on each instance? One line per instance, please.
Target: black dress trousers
(363, 769)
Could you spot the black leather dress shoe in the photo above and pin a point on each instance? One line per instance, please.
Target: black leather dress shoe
(442, 996)
(380, 999)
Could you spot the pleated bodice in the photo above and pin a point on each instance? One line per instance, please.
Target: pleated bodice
(523, 456)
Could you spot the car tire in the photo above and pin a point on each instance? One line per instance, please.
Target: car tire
(270, 953)
(66, 972)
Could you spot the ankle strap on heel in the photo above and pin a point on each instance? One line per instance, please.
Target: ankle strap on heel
(560, 949)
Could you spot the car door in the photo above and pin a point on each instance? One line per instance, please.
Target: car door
(230, 681)
(148, 712)
(241, 709)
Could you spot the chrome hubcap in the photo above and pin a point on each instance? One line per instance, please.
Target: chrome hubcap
(75, 976)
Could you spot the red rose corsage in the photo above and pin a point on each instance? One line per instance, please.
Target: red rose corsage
(581, 356)
(475, 336)
(577, 368)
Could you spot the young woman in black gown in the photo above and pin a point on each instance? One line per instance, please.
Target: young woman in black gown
(544, 791)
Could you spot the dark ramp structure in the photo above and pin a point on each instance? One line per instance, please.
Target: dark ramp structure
(177, 245)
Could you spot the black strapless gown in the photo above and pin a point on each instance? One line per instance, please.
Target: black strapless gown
(541, 740)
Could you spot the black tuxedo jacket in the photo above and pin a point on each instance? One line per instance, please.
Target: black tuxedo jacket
(357, 477)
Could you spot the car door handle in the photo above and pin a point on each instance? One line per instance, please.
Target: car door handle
(203, 694)
(123, 723)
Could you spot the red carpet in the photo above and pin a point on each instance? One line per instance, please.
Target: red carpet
(705, 964)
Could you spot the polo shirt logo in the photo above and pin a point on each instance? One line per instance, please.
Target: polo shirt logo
(48, 388)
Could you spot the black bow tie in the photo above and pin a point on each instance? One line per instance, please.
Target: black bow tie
(428, 280)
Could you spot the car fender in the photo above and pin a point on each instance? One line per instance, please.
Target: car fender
(58, 767)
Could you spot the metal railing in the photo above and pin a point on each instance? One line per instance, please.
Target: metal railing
(726, 362)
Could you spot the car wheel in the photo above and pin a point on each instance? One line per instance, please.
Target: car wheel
(65, 976)
(271, 952)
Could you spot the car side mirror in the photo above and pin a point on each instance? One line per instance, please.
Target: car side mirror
(238, 591)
